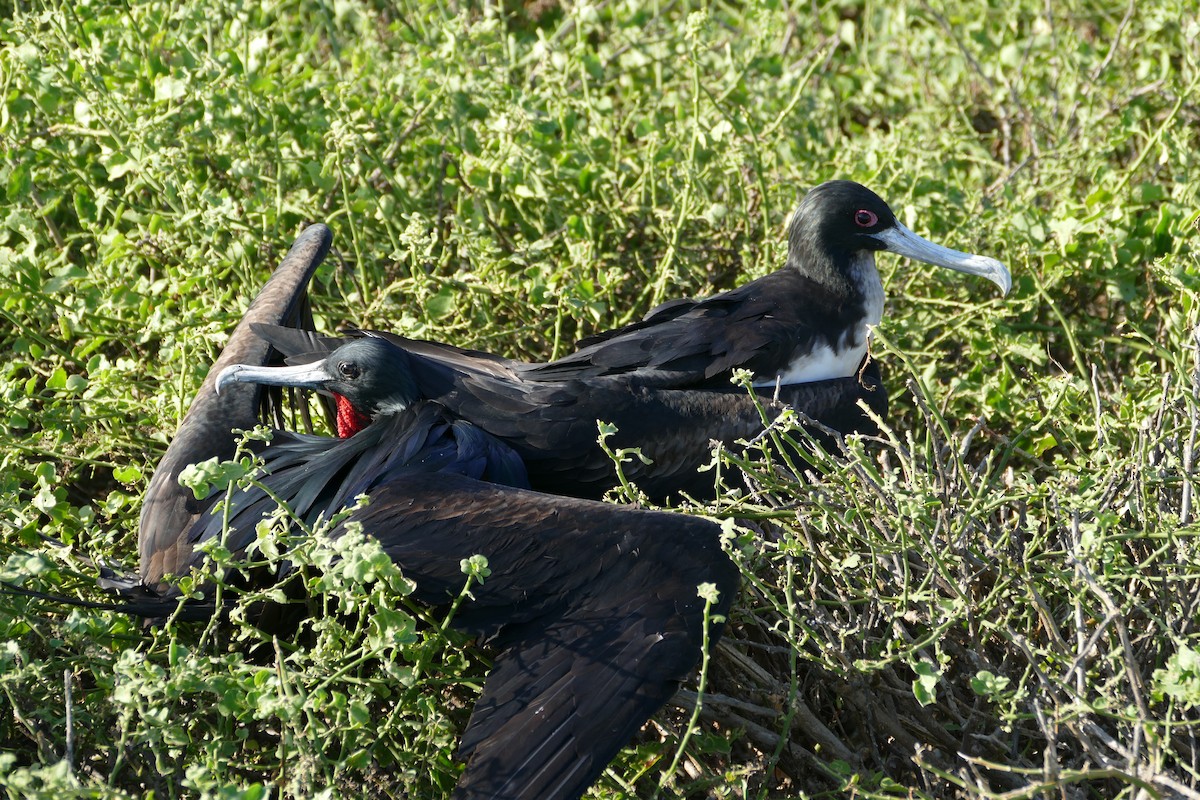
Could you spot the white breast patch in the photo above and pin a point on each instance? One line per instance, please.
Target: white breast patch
(821, 364)
(825, 362)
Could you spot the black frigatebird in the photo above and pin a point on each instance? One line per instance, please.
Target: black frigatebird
(591, 609)
(808, 321)
(802, 331)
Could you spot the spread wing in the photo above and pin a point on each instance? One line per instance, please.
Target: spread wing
(592, 610)
(169, 510)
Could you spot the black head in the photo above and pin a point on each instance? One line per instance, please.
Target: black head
(372, 374)
(840, 221)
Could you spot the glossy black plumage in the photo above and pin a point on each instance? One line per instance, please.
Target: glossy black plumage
(823, 299)
(591, 610)
(552, 424)
(665, 381)
(590, 602)
(168, 508)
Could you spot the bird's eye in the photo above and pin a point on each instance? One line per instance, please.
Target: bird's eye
(864, 218)
(348, 370)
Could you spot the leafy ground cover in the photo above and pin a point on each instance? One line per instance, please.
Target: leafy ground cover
(1000, 597)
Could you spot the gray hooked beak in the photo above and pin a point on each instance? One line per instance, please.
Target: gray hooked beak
(901, 241)
(300, 376)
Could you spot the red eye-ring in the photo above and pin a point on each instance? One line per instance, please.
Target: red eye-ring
(864, 218)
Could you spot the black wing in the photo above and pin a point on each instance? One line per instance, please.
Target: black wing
(663, 312)
(592, 609)
(759, 326)
(168, 509)
(320, 475)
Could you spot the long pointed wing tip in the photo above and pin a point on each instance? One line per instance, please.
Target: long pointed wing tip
(312, 244)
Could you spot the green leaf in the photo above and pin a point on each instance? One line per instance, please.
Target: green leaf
(57, 380)
(167, 88)
(205, 477)
(442, 304)
(1180, 678)
(127, 475)
(988, 684)
(475, 567)
(924, 688)
(18, 182)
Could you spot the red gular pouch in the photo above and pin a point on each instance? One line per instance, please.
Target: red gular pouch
(349, 419)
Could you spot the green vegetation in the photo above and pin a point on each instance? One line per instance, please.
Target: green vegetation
(1002, 597)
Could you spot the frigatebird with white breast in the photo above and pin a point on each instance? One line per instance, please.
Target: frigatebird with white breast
(808, 321)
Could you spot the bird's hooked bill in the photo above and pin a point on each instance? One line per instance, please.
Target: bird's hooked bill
(300, 376)
(900, 240)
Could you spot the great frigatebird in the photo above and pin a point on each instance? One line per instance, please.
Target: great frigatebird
(808, 321)
(591, 609)
(664, 382)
